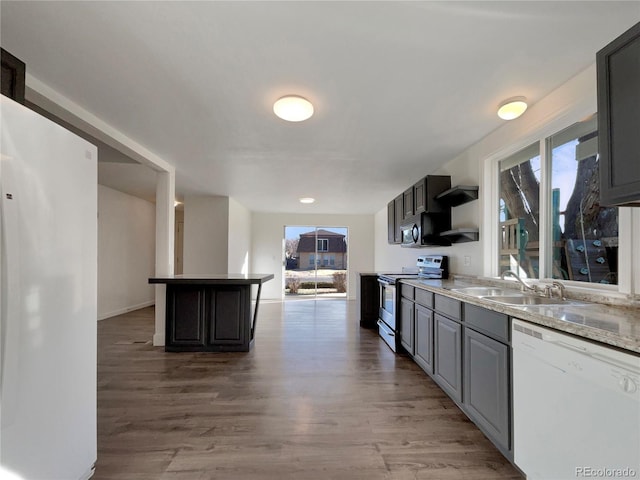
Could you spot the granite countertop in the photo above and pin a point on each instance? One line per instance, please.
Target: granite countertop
(214, 279)
(612, 325)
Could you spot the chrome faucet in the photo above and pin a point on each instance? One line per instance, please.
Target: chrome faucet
(561, 289)
(524, 287)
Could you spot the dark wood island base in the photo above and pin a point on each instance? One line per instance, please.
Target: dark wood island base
(210, 313)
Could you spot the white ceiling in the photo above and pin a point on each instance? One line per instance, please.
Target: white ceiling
(399, 88)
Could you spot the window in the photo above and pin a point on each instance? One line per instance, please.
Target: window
(312, 259)
(584, 236)
(520, 212)
(550, 203)
(323, 245)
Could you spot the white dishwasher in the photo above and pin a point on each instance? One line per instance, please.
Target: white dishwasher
(576, 407)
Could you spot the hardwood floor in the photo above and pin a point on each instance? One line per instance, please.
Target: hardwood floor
(317, 398)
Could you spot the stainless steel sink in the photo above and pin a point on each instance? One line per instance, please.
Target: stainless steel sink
(528, 300)
(483, 291)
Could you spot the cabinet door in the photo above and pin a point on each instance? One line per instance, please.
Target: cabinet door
(486, 385)
(408, 203)
(228, 316)
(369, 300)
(391, 222)
(185, 316)
(398, 205)
(13, 76)
(406, 325)
(420, 196)
(448, 356)
(618, 119)
(424, 338)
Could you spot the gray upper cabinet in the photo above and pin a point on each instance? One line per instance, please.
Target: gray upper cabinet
(419, 198)
(618, 71)
(408, 203)
(426, 191)
(13, 77)
(391, 222)
(398, 205)
(395, 215)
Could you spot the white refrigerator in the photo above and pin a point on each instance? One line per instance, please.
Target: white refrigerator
(48, 298)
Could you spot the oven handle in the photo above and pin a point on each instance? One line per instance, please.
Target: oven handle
(387, 331)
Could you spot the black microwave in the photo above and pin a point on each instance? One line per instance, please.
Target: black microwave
(423, 230)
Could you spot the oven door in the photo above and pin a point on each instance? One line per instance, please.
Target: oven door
(387, 311)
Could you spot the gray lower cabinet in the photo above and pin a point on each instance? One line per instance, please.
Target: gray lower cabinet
(486, 386)
(423, 337)
(466, 349)
(407, 325)
(448, 356)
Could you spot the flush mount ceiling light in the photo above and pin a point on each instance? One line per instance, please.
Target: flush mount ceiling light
(307, 200)
(512, 108)
(293, 108)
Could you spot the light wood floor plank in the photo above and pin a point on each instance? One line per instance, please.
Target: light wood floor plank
(317, 398)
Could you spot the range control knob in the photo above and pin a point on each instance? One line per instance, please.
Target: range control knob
(628, 384)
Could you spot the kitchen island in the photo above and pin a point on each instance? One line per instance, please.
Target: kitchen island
(210, 313)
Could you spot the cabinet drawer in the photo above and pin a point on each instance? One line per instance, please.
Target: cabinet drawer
(494, 324)
(424, 298)
(448, 306)
(407, 291)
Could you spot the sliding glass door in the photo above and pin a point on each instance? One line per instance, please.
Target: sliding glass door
(315, 262)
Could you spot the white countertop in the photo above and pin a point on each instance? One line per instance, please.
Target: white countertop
(616, 326)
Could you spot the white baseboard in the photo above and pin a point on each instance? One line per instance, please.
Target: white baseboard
(158, 339)
(120, 311)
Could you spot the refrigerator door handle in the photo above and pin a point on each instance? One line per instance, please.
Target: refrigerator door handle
(9, 282)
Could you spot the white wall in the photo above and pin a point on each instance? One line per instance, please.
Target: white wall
(126, 252)
(267, 252)
(206, 227)
(567, 104)
(239, 238)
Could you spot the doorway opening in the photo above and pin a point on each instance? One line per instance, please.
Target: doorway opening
(316, 262)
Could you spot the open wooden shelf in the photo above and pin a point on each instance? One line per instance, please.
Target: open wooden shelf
(458, 195)
(460, 235)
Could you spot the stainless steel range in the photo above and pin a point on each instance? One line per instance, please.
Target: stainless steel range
(428, 266)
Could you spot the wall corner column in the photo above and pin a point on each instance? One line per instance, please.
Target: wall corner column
(165, 219)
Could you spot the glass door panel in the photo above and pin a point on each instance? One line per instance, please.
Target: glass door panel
(315, 262)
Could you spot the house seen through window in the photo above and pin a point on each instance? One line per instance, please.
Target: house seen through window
(315, 262)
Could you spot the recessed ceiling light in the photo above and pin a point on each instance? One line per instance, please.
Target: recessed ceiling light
(293, 108)
(512, 108)
(307, 200)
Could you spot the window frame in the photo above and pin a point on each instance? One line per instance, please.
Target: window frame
(628, 218)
